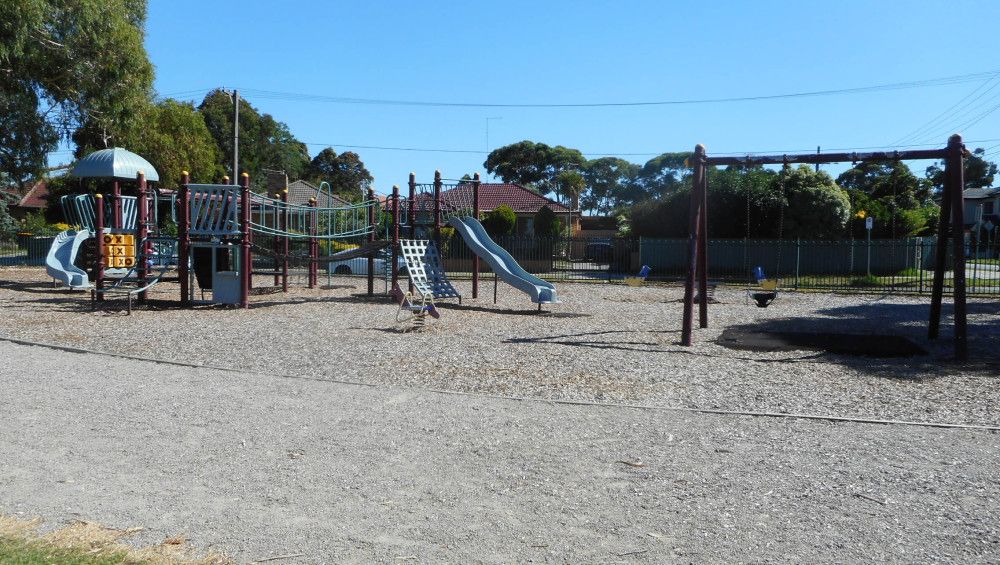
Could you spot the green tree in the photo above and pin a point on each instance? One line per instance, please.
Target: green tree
(546, 223)
(500, 221)
(571, 185)
(979, 173)
(815, 207)
(8, 225)
(25, 136)
(662, 175)
(535, 165)
(85, 62)
(265, 143)
(346, 173)
(890, 193)
(609, 181)
(174, 138)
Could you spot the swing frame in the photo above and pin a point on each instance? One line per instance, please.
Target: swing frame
(951, 225)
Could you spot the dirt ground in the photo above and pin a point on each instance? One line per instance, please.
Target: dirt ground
(312, 426)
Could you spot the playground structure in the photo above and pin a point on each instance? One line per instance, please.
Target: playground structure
(950, 225)
(227, 234)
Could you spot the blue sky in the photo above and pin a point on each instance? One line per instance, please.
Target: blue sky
(525, 52)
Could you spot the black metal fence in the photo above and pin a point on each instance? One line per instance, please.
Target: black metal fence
(902, 265)
(885, 266)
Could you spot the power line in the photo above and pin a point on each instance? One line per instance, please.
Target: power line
(943, 116)
(302, 97)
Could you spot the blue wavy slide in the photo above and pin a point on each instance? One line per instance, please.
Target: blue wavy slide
(475, 236)
(59, 262)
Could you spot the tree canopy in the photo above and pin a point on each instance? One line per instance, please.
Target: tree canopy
(174, 139)
(346, 173)
(979, 173)
(535, 165)
(75, 68)
(265, 143)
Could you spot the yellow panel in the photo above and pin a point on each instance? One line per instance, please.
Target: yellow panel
(130, 251)
(129, 239)
(119, 262)
(108, 239)
(770, 284)
(128, 261)
(109, 262)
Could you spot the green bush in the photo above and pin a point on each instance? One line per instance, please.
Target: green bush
(8, 225)
(547, 224)
(36, 224)
(500, 221)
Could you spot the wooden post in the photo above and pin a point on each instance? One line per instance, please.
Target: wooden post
(184, 237)
(475, 215)
(285, 248)
(371, 238)
(412, 217)
(703, 251)
(955, 172)
(313, 246)
(142, 233)
(940, 258)
(116, 217)
(246, 263)
(276, 244)
(694, 234)
(99, 237)
(395, 234)
(437, 210)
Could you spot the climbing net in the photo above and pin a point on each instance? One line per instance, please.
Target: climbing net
(271, 216)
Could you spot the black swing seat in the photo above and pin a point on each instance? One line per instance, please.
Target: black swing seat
(763, 299)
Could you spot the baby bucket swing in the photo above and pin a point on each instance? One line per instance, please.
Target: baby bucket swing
(761, 289)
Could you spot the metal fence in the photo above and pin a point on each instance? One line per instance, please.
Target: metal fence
(894, 266)
(884, 266)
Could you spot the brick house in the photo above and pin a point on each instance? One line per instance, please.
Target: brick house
(524, 201)
(34, 200)
(301, 191)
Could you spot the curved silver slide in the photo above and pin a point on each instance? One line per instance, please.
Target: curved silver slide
(505, 266)
(59, 262)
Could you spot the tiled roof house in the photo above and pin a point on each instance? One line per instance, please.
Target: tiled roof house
(525, 203)
(32, 201)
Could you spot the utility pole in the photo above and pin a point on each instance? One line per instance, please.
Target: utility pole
(235, 95)
(817, 164)
(236, 133)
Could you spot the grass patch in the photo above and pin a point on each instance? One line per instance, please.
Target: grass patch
(87, 543)
(866, 281)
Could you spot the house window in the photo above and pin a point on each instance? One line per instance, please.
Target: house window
(988, 208)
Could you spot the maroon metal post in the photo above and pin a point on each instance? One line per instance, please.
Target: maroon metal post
(285, 248)
(703, 252)
(99, 247)
(184, 237)
(940, 257)
(371, 238)
(694, 233)
(116, 220)
(395, 234)
(956, 173)
(245, 259)
(437, 210)
(475, 215)
(313, 246)
(142, 233)
(412, 218)
(276, 244)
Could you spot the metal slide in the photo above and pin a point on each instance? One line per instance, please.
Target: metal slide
(508, 269)
(59, 262)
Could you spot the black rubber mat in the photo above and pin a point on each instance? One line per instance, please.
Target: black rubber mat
(845, 344)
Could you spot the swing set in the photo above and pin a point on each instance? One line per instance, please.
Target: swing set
(950, 226)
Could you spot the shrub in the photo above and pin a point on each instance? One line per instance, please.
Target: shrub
(8, 225)
(547, 224)
(501, 221)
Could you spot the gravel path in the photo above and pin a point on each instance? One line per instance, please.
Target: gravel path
(258, 466)
(606, 343)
